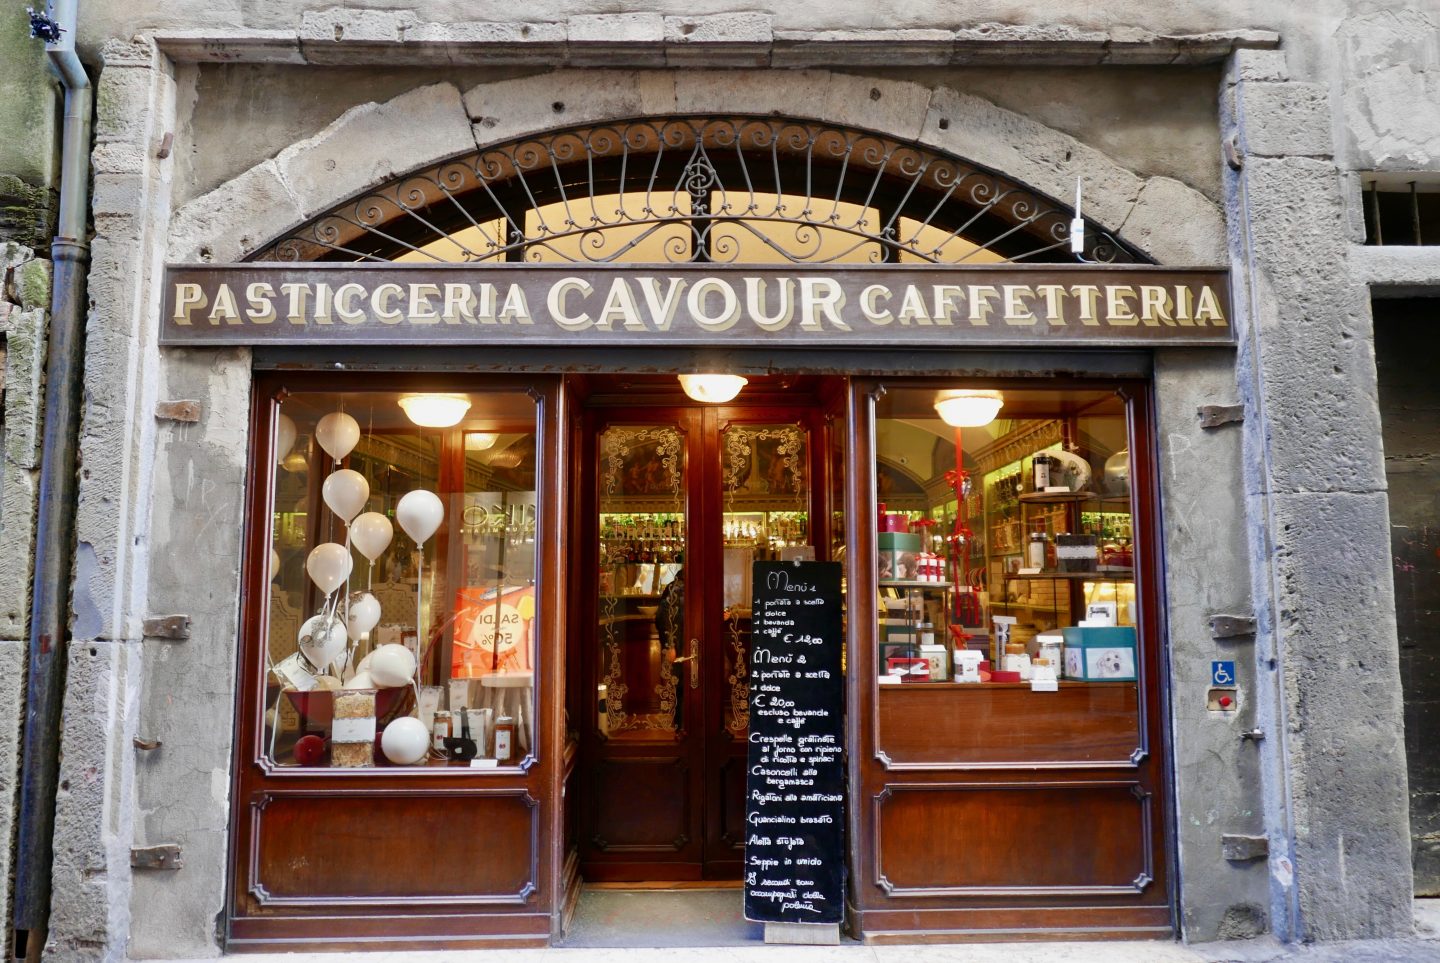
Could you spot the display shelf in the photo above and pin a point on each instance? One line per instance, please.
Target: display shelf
(1119, 575)
(1050, 498)
(981, 686)
(914, 583)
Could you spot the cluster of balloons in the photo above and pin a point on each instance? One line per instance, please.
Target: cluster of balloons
(323, 637)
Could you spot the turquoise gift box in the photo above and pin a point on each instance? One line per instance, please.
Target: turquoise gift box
(1100, 653)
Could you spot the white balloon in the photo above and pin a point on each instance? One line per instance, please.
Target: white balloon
(346, 492)
(405, 741)
(338, 434)
(322, 641)
(274, 564)
(419, 514)
(360, 680)
(329, 566)
(363, 614)
(371, 534)
(392, 665)
(284, 437)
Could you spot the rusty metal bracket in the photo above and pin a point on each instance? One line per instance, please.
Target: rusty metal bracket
(1242, 849)
(1213, 416)
(186, 411)
(1231, 626)
(175, 627)
(1230, 146)
(147, 745)
(165, 856)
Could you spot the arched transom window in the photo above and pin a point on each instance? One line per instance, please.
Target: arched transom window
(733, 190)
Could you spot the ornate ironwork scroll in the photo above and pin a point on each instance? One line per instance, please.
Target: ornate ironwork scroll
(701, 188)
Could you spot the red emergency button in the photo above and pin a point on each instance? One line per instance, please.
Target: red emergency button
(1225, 702)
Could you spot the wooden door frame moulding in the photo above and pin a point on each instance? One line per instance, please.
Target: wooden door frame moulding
(466, 920)
(1149, 769)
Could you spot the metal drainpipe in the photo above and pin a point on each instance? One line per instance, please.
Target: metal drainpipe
(54, 532)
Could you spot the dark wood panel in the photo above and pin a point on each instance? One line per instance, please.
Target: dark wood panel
(931, 725)
(475, 847)
(1057, 839)
(731, 804)
(645, 805)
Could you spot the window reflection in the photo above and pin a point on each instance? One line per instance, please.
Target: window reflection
(402, 584)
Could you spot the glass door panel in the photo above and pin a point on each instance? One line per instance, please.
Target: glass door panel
(765, 489)
(641, 630)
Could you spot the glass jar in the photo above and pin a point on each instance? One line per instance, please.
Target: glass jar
(1035, 557)
(504, 740)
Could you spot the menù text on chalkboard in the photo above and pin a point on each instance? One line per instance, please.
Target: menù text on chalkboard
(795, 787)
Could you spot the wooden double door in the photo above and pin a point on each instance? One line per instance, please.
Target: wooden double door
(677, 503)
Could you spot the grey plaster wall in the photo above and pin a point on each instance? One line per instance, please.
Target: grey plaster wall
(1207, 572)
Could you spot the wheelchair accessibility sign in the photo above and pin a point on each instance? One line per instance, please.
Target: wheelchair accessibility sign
(1222, 673)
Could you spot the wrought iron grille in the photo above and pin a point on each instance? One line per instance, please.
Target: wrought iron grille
(721, 189)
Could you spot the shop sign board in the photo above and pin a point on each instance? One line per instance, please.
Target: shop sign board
(801, 306)
(795, 782)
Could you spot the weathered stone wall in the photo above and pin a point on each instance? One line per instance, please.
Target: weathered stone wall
(1333, 754)
(28, 193)
(24, 313)
(1301, 479)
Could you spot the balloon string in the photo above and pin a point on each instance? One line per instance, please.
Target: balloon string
(419, 586)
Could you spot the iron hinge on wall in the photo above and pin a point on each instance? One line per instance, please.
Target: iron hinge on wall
(1231, 626)
(176, 627)
(166, 856)
(1213, 416)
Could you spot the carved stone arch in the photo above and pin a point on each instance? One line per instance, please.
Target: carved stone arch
(372, 149)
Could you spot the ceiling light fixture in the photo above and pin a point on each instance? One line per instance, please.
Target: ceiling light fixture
(713, 389)
(435, 411)
(480, 440)
(964, 408)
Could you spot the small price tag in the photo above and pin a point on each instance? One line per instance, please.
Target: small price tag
(484, 764)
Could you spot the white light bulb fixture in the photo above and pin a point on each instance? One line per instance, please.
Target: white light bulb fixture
(480, 440)
(963, 408)
(712, 389)
(435, 411)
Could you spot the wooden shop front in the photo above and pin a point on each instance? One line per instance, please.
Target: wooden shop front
(540, 678)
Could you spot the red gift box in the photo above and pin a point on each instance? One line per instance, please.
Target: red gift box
(908, 669)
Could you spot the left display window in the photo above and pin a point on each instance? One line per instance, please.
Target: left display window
(402, 621)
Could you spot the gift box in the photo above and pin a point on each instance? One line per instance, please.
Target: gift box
(894, 522)
(1100, 653)
(898, 541)
(909, 670)
(1077, 553)
(935, 656)
(897, 565)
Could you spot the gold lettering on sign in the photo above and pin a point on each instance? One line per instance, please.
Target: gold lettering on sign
(817, 309)
(188, 297)
(869, 304)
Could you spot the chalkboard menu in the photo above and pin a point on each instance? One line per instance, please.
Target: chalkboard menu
(795, 788)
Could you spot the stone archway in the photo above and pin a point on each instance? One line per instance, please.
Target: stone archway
(372, 144)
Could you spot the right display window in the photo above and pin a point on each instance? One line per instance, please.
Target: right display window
(1005, 554)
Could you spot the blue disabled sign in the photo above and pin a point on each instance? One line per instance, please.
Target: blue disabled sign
(1222, 673)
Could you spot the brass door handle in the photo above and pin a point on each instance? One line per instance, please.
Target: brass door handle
(693, 656)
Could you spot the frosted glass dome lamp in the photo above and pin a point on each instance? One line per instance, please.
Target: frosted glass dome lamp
(480, 440)
(435, 411)
(712, 389)
(965, 408)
